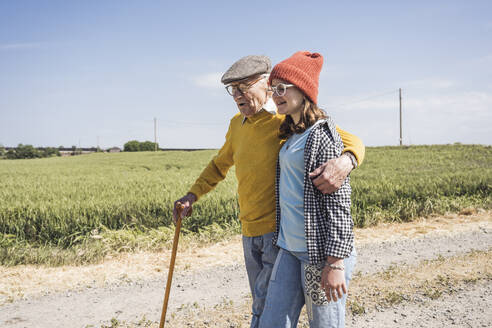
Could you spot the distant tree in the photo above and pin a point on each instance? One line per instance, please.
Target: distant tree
(135, 145)
(132, 145)
(2, 150)
(27, 151)
(147, 146)
(24, 151)
(11, 154)
(49, 152)
(76, 151)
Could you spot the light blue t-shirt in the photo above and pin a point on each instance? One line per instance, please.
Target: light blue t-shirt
(291, 192)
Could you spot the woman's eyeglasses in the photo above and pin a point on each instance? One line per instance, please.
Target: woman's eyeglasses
(281, 88)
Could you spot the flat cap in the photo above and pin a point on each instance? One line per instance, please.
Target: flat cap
(246, 67)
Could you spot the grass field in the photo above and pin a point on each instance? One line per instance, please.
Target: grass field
(80, 209)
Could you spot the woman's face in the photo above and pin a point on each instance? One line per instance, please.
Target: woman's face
(291, 103)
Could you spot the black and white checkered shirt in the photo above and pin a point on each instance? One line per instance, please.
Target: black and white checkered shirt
(328, 224)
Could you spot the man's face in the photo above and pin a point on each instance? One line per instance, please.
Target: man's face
(250, 95)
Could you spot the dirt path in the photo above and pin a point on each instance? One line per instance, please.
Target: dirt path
(224, 282)
(471, 307)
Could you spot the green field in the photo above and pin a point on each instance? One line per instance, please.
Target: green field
(80, 209)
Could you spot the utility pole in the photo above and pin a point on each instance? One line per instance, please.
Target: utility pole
(401, 138)
(155, 134)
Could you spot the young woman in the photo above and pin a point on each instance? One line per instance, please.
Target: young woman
(314, 231)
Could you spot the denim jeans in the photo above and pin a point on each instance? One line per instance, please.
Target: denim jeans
(287, 295)
(259, 257)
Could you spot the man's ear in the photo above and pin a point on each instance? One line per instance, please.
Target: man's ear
(269, 90)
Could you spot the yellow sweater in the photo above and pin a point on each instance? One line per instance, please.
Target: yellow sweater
(253, 148)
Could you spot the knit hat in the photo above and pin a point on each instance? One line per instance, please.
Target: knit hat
(301, 69)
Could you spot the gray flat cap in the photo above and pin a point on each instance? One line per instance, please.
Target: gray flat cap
(246, 67)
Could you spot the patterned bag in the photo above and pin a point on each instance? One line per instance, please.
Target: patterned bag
(312, 279)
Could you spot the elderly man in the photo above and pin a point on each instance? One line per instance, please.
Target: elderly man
(252, 145)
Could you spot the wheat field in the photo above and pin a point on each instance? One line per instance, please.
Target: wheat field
(78, 209)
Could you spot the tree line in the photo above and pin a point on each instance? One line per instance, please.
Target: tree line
(28, 151)
(134, 145)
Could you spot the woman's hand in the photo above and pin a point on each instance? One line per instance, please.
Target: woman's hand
(333, 281)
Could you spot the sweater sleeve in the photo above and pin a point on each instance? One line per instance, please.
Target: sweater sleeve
(216, 170)
(353, 144)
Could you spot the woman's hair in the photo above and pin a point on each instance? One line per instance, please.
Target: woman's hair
(310, 114)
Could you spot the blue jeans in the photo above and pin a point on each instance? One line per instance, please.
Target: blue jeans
(259, 257)
(287, 295)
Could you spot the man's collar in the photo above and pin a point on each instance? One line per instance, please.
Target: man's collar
(269, 107)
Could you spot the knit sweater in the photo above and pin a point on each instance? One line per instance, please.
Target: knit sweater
(252, 145)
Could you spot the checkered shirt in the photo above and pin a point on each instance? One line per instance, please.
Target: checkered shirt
(328, 223)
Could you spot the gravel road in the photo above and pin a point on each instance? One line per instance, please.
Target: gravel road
(471, 307)
(211, 286)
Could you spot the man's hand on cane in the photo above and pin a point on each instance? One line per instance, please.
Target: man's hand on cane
(186, 203)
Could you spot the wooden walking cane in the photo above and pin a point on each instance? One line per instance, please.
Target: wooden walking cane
(180, 208)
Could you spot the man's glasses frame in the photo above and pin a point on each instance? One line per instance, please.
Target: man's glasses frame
(242, 87)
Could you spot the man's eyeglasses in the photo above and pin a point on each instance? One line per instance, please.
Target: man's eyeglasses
(242, 87)
(281, 88)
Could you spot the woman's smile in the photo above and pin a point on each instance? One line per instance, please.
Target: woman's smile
(281, 104)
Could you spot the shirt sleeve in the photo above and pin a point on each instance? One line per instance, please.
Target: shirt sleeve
(216, 170)
(340, 228)
(353, 144)
(336, 207)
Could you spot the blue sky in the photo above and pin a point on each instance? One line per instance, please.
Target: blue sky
(79, 72)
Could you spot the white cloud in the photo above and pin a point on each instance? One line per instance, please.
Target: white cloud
(446, 117)
(478, 65)
(208, 81)
(461, 104)
(13, 46)
(380, 100)
(469, 106)
(424, 94)
(371, 104)
(484, 60)
(429, 83)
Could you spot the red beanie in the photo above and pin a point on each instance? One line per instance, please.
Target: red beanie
(301, 69)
